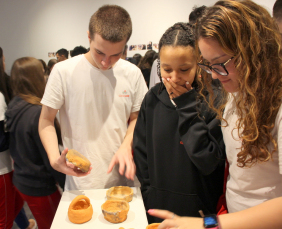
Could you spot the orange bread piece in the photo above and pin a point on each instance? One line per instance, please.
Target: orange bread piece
(115, 211)
(120, 193)
(153, 226)
(80, 210)
(78, 160)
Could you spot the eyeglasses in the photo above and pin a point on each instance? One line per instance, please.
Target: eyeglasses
(218, 68)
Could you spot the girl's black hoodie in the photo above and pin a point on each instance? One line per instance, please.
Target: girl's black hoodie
(179, 154)
(33, 174)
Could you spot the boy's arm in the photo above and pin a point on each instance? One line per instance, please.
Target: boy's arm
(123, 156)
(49, 140)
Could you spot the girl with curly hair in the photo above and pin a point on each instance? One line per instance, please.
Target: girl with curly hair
(240, 45)
(178, 145)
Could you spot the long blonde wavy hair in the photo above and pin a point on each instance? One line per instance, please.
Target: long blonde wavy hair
(246, 31)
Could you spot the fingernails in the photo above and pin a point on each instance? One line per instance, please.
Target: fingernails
(163, 79)
(187, 82)
(167, 79)
(150, 210)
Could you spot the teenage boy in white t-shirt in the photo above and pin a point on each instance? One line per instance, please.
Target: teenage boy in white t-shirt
(96, 94)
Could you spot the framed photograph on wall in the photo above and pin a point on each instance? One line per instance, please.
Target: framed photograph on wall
(149, 45)
(51, 54)
(156, 47)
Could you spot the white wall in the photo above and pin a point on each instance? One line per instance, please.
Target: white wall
(36, 27)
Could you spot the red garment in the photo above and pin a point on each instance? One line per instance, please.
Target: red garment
(43, 208)
(10, 201)
(221, 205)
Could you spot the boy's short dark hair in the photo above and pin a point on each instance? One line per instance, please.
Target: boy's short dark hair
(112, 22)
(63, 52)
(277, 10)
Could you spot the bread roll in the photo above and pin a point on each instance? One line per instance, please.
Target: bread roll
(80, 210)
(120, 193)
(78, 160)
(115, 211)
(153, 226)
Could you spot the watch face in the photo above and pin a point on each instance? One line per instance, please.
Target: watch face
(210, 221)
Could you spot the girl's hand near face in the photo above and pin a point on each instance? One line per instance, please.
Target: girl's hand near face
(174, 90)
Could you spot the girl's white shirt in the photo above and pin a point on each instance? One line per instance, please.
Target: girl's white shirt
(6, 163)
(247, 187)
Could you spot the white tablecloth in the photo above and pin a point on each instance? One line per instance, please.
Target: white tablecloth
(136, 218)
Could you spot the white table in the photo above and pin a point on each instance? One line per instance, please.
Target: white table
(136, 218)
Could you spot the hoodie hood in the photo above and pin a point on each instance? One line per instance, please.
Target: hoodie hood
(15, 109)
(162, 95)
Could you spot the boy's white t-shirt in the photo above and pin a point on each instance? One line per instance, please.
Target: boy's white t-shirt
(94, 106)
(248, 187)
(6, 163)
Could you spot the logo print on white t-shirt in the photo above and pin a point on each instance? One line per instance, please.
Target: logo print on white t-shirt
(124, 94)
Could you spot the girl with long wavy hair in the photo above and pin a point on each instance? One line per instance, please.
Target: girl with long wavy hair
(240, 45)
(33, 176)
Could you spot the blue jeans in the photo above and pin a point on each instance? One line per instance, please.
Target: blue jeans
(21, 220)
